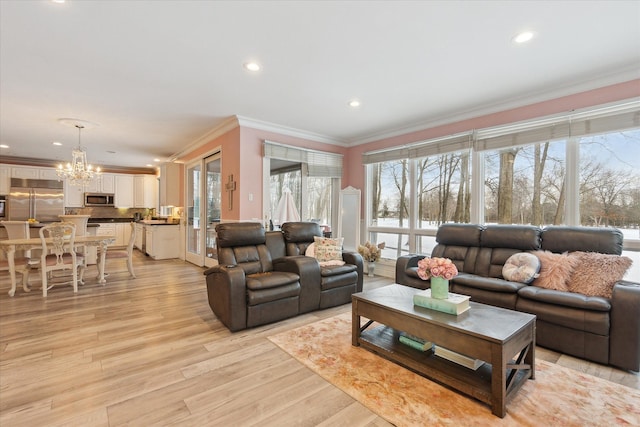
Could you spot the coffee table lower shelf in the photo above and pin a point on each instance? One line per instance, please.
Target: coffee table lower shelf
(383, 340)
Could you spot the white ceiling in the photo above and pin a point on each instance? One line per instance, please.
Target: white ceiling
(157, 75)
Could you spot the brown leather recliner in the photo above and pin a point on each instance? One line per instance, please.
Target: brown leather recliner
(244, 290)
(336, 283)
(257, 283)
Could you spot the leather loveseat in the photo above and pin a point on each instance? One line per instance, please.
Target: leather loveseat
(600, 329)
(264, 276)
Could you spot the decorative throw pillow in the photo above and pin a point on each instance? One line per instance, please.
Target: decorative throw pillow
(328, 249)
(311, 250)
(555, 270)
(522, 267)
(596, 273)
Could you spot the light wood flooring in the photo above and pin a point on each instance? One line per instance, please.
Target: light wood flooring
(149, 351)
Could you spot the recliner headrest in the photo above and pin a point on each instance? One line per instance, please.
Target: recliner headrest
(523, 237)
(459, 234)
(295, 232)
(239, 234)
(586, 239)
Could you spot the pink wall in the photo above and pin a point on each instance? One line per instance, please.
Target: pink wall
(230, 153)
(564, 104)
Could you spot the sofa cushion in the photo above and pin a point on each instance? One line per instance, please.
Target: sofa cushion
(589, 239)
(487, 283)
(521, 267)
(555, 270)
(566, 299)
(595, 274)
(328, 249)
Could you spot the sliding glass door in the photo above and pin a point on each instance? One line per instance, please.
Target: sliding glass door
(203, 210)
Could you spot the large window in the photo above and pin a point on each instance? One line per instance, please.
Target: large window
(313, 177)
(579, 170)
(525, 184)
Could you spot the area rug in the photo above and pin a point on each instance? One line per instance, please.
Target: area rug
(558, 396)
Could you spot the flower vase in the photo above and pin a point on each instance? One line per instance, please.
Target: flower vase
(439, 288)
(370, 268)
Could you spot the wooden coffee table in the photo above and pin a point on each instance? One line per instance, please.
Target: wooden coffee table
(504, 339)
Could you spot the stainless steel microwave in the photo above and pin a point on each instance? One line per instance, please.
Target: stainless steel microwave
(98, 199)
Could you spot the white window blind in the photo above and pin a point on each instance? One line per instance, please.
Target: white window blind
(319, 163)
(594, 121)
(432, 147)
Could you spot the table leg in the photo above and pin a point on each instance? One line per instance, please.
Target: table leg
(355, 325)
(101, 263)
(12, 269)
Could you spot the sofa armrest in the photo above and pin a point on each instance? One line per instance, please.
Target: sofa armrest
(308, 269)
(402, 264)
(227, 294)
(354, 258)
(624, 345)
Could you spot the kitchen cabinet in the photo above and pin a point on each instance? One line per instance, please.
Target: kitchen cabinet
(103, 183)
(124, 191)
(170, 178)
(145, 191)
(162, 241)
(25, 172)
(140, 237)
(120, 230)
(5, 179)
(28, 172)
(73, 195)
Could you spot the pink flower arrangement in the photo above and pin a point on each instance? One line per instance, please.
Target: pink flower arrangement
(438, 267)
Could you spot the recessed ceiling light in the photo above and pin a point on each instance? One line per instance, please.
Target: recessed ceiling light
(4, 146)
(252, 66)
(523, 37)
(354, 103)
(149, 165)
(57, 143)
(58, 1)
(156, 160)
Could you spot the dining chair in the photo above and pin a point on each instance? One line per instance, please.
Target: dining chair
(80, 222)
(125, 254)
(24, 261)
(59, 239)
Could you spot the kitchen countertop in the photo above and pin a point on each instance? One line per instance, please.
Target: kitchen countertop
(103, 220)
(42, 224)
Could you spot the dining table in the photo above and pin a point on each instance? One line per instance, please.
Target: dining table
(10, 246)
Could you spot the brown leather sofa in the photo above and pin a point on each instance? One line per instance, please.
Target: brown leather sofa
(258, 282)
(603, 330)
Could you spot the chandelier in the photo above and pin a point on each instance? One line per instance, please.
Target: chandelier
(78, 171)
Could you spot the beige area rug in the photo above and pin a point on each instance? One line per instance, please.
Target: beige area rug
(557, 397)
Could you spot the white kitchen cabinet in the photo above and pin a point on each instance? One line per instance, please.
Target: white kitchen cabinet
(49, 173)
(5, 179)
(103, 183)
(30, 172)
(73, 195)
(145, 191)
(170, 174)
(124, 191)
(25, 172)
(163, 241)
(124, 233)
(140, 237)
(108, 229)
(108, 183)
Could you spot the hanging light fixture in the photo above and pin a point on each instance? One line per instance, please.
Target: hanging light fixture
(78, 171)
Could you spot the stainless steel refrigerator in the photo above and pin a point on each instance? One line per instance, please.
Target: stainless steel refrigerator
(41, 199)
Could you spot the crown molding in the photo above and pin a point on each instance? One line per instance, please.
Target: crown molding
(225, 126)
(289, 131)
(47, 163)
